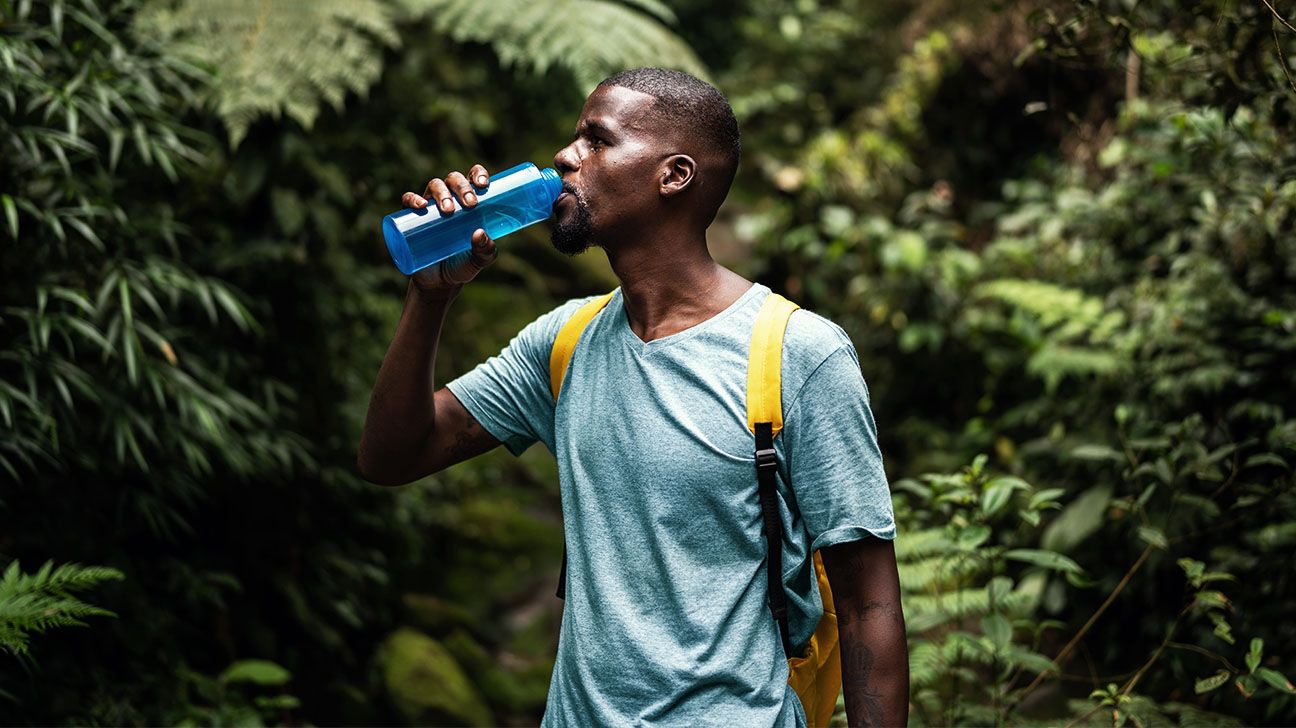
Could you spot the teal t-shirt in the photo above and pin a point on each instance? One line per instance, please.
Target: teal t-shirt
(666, 620)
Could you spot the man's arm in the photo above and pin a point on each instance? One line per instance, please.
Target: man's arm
(874, 654)
(410, 430)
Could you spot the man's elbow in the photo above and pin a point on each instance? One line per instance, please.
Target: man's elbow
(386, 471)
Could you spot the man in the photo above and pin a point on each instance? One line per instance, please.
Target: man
(666, 618)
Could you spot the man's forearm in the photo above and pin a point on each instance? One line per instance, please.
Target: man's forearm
(402, 409)
(875, 665)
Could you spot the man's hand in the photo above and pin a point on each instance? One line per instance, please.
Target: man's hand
(444, 279)
(875, 657)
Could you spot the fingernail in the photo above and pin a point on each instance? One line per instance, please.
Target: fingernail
(447, 205)
(481, 180)
(470, 197)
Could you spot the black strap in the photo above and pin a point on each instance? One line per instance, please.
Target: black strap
(561, 593)
(766, 467)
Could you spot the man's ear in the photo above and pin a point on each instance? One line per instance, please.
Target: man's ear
(678, 173)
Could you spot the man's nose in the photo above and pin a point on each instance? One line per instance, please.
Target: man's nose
(566, 160)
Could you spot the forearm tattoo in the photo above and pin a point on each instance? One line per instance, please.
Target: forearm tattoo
(855, 684)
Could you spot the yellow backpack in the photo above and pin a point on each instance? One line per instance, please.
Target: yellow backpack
(815, 675)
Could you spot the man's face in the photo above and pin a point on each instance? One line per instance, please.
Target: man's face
(609, 170)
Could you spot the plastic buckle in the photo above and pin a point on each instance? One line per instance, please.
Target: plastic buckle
(766, 460)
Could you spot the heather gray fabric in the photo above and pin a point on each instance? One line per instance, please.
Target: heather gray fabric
(666, 620)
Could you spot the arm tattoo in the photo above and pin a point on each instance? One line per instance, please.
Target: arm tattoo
(866, 612)
(462, 447)
(856, 683)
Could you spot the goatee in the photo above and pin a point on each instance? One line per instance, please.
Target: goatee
(575, 235)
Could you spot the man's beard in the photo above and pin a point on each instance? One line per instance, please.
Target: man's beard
(575, 235)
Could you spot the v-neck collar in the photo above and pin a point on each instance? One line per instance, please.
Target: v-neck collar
(647, 347)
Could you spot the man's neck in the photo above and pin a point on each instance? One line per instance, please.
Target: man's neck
(672, 283)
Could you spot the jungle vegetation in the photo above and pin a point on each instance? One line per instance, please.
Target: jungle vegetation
(1059, 232)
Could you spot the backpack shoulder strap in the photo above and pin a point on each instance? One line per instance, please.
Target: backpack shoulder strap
(765, 420)
(765, 364)
(559, 357)
(565, 345)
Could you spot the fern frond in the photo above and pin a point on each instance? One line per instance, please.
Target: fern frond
(913, 545)
(591, 38)
(925, 573)
(35, 603)
(1054, 362)
(276, 56)
(925, 611)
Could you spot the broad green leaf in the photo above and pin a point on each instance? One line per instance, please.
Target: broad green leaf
(1267, 458)
(973, 536)
(1207, 684)
(1164, 471)
(1212, 599)
(1254, 654)
(1097, 452)
(998, 588)
(1045, 498)
(1276, 679)
(1154, 537)
(11, 214)
(1192, 568)
(1223, 629)
(998, 629)
(1078, 520)
(998, 492)
(261, 672)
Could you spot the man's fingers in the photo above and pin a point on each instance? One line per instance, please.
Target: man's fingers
(440, 194)
(414, 200)
(479, 176)
(483, 248)
(459, 185)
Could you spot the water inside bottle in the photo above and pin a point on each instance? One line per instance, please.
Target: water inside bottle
(428, 243)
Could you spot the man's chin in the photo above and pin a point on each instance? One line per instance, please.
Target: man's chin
(570, 242)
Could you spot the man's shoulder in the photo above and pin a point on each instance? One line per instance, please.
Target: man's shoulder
(810, 341)
(812, 337)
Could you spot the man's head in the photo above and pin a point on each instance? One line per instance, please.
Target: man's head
(649, 143)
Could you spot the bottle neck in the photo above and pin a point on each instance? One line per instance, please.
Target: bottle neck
(552, 183)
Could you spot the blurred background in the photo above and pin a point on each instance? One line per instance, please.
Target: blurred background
(1059, 232)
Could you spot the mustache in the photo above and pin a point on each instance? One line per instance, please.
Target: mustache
(567, 187)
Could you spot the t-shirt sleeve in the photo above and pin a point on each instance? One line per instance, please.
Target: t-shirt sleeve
(509, 392)
(834, 463)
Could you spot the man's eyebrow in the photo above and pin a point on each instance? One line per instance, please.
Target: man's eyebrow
(594, 127)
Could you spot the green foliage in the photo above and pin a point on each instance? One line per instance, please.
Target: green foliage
(590, 38)
(275, 58)
(1107, 320)
(964, 540)
(243, 694)
(1059, 235)
(35, 603)
(272, 58)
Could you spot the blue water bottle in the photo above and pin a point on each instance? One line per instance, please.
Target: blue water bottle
(515, 198)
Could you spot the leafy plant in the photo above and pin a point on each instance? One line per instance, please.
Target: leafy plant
(272, 58)
(37, 602)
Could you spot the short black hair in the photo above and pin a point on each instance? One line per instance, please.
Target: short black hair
(690, 103)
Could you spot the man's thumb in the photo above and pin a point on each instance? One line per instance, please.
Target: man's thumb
(483, 249)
